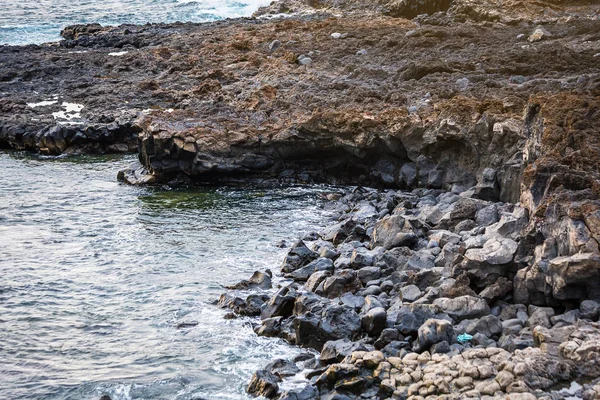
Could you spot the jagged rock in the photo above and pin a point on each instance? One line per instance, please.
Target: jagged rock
(334, 351)
(249, 307)
(263, 383)
(303, 273)
(258, 279)
(497, 290)
(464, 307)
(374, 321)
(342, 282)
(489, 326)
(280, 305)
(314, 282)
(576, 277)
(409, 318)
(282, 368)
(393, 231)
(298, 256)
(434, 331)
(590, 309)
(411, 293)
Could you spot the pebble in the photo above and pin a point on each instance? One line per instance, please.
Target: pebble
(362, 52)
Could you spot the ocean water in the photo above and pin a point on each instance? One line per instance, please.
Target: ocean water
(96, 276)
(40, 21)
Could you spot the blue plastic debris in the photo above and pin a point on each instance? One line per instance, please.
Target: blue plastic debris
(465, 337)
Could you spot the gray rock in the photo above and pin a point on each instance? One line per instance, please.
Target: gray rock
(374, 321)
(488, 187)
(352, 301)
(263, 383)
(540, 316)
(282, 368)
(316, 279)
(489, 326)
(393, 231)
(298, 256)
(307, 393)
(411, 293)
(538, 34)
(589, 309)
(274, 46)
(362, 257)
(340, 283)
(463, 307)
(280, 305)
(334, 351)
(496, 251)
(409, 318)
(258, 279)
(434, 331)
(497, 290)
(487, 215)
(320, 264)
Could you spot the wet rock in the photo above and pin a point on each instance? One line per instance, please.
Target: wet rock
(320, 264)
(298, 256)
(249, 307)
(307, 393)
(314, 282)
(261, 280)
(411, 293)
(393, 231)
(263, 383)
(342, 282)
(334, 351)
(280, 305)
(282, 368)
(434, 331)
(374, 321)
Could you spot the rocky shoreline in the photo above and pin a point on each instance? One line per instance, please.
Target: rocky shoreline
(481, 118)
(418, 295)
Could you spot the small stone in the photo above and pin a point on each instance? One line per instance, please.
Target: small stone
(304, 61)
(462, 83)
(336, 35)
(538, 34)
(362, 52)
(274, 46)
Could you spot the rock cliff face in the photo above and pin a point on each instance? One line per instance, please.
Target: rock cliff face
(489, 101)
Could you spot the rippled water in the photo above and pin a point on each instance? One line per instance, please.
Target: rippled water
(95, 276)
(38, 21)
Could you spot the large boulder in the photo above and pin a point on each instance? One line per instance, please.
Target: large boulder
(434, 331)
(280, 305)
(393, 231)
(334, 351)
(342, 282)
(261, 280)
(302, 274)
(263, 383)
(463, 307)
(575, 277)
(408, 318)
(298, 256)
(485, 265)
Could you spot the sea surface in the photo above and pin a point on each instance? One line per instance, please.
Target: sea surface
(96, 276)
(40, 21)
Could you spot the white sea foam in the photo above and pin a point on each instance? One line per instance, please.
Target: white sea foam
(42, 103)
(118, 53)
(71, 113)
